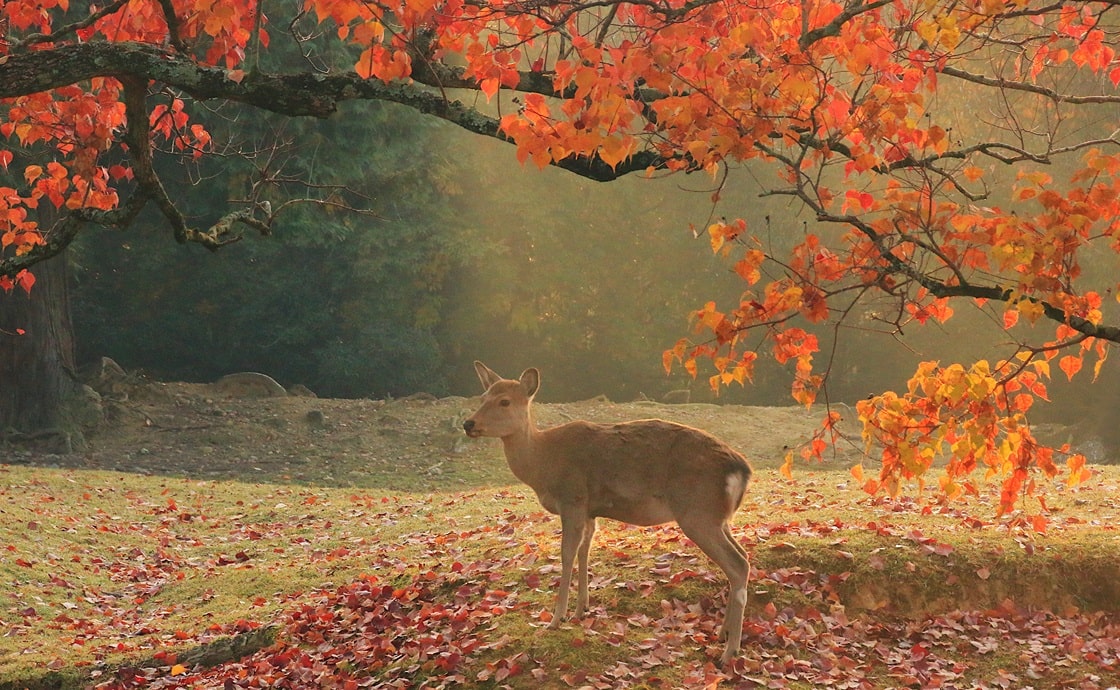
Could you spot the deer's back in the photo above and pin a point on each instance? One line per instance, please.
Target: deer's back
(639, 441)
(642, 472)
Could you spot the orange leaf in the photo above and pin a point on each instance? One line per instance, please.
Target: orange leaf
(489, 87)
(1070, 364)
(365, 64)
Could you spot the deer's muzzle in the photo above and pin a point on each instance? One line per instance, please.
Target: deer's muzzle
(471, 429)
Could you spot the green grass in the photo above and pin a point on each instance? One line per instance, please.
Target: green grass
(100, 569)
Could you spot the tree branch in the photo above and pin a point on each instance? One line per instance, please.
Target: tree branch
(1012, 85)
(315, 95)
(35, 38)
(833, 27)
(138, 137)
(995, 293)
(67, 228)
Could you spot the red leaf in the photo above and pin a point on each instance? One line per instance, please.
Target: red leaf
(25, 279)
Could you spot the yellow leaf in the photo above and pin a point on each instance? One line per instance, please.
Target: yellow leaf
(1042, 367)
(178, 670)
(615, 150)
(949, 487)
(927, 30)
(857, 472)
(1030, 310)
(787, 466)
(718, 233)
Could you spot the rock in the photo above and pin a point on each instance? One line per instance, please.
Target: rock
(107, 378)
(315, 419)
(678, 397)
(249, 384)
(301, 391)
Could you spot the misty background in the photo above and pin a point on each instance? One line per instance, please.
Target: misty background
(464, 254)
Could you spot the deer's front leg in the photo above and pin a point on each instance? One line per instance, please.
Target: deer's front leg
(584, 549)
(572, 526)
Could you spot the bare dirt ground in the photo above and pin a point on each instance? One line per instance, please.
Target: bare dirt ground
(415, 443)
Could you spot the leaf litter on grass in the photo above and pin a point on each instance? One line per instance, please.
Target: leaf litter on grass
(443, 591)
(112, 579)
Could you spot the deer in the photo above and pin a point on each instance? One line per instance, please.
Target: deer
(645, 472)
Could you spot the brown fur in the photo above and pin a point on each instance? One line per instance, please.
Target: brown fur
(645, 472)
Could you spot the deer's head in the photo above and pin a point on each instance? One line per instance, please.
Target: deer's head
(505, 404)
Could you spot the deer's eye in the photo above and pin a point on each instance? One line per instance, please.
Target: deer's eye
(504, 402)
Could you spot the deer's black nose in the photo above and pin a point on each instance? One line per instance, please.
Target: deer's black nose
(468, 425)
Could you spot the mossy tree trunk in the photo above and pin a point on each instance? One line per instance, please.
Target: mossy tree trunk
(37, 373)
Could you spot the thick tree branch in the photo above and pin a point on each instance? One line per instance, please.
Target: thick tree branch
(315, 95)
(138, 138)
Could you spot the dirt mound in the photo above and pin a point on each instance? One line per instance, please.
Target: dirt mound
(216, 431)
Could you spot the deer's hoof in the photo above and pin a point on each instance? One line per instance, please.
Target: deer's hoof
(728, 658)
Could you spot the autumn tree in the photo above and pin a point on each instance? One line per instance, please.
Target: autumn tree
(950, 153)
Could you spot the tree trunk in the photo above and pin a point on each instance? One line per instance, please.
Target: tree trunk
(37, 375)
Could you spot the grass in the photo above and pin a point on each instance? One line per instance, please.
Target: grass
(101, 569)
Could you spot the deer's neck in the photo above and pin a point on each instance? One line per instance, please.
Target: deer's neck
(521, 452)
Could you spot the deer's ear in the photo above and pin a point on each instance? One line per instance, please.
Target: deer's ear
(485, 375)
(531, 381)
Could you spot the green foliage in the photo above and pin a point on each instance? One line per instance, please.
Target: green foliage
(341, 301)
(452, 264)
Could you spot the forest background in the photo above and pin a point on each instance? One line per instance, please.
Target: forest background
(462, 254)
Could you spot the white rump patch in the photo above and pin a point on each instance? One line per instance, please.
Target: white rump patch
(735, 488)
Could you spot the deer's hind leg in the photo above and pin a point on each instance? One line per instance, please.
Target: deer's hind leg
(715, 539)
